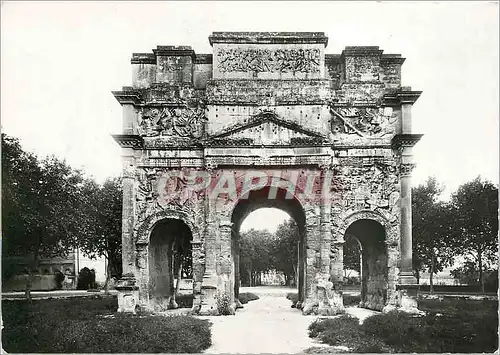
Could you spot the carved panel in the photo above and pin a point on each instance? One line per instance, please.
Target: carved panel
(364, 121)
(370, 186)
(266, 60)
(162, 192)
(172, 121)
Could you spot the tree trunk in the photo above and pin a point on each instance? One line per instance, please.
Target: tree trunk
(431, 275)
(295, 274)
(417, 275)
(481, 278)
(178, 284)
(29, 282)
(108, 276)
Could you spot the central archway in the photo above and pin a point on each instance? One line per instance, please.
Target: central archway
(282, 200)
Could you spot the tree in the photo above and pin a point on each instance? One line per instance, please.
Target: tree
(39, 197)
(255, 254)
(351, 255)
(102, 208)
(475, 205)
(285, 250)
(434, 243)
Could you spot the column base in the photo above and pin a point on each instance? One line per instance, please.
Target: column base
(208, 305)
(407, 278)
(407, 299)
(128, 294)
(327, 301)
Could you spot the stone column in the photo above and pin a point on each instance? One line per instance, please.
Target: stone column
(236, 269)
(128, 245)
(407, 287)
(406, 274)
(301, 267)
(198, 257)
(225, 261)
(128, 290)
(210, 279)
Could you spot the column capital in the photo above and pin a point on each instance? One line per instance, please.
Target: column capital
(405, 169)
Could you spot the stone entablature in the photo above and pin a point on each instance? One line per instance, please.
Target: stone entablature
(275, 104)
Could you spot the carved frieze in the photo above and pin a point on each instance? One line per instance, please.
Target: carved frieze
(266, 60)
(363, 121)
(172, 121)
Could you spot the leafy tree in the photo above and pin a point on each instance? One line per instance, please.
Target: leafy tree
(351, 255)
(434, 243)
(102, 208)
(255, 254)
(475, 207)
(285, 250)
(38, 199)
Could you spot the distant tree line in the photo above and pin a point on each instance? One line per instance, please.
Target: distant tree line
(466, 226)
(49, 208)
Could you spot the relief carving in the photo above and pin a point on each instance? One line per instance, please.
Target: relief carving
(172, 121)
(159, 190)
(265, 60)
(363, 121)
(372, 187)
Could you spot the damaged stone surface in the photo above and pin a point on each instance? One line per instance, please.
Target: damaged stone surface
(274, 105)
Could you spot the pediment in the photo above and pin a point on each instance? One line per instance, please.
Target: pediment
(269, 129)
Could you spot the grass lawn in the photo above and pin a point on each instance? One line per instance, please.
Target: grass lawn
(450, 325)
(91, 324)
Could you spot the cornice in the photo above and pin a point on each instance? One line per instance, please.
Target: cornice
(402, 97)
(129, 140)
(405, 140)
(269, 37)
(127, 96)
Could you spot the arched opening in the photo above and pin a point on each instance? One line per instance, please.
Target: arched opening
(170, 262)
(258, 199)
(373, 262)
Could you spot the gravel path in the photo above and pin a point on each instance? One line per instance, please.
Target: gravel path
(266, 325)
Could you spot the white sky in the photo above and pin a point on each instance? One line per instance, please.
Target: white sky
(61, 60)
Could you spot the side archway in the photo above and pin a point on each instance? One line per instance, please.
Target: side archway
(371, 230)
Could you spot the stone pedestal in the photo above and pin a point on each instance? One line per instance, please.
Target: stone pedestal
(208, 295)
(128, 294)
(328, 299)
(407, 299)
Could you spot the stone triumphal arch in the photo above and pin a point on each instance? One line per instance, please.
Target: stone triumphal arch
(267, 119)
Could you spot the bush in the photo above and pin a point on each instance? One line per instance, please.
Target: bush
(247, 297)
(86, 279)
(223, 304)
(184, 301)
(451, 326)
(90, 325)
(59, 279)
(346, 331)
